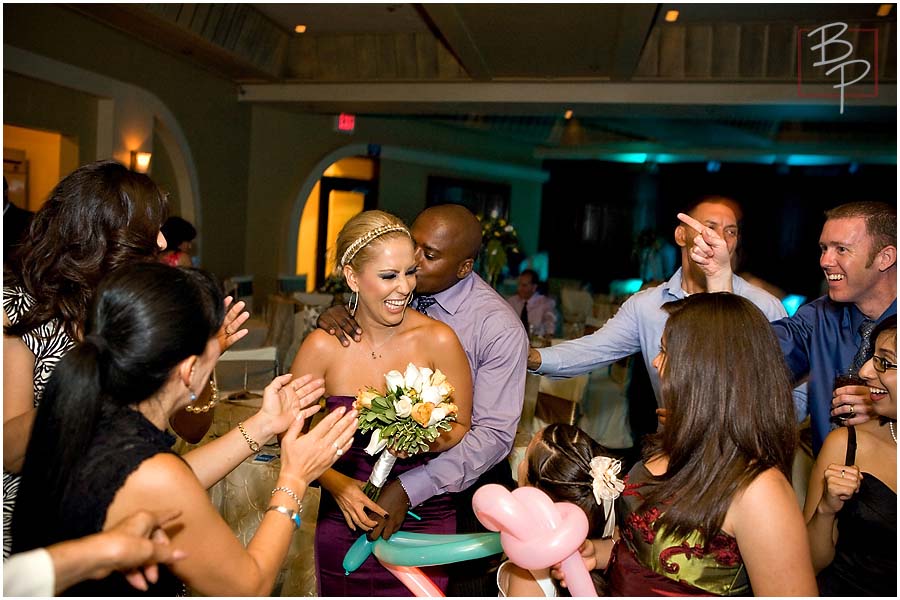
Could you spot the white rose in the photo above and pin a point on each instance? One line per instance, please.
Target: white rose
(376, 444)
(431, 394)
(436, 415)
(445, 390)
(403, 407)
(423, 379)
(410, 377)
(394, 380)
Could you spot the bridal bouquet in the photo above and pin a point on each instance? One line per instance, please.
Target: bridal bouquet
(410, 414)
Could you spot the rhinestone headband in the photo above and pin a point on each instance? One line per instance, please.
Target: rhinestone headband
(354, 248)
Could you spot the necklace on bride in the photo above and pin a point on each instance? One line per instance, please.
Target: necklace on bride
(893, 433)
(373, 350)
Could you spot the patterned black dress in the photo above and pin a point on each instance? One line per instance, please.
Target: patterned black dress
(48, 343)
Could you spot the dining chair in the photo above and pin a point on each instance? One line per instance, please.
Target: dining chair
(246, 370)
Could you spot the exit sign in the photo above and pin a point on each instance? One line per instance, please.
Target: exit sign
(345, 123)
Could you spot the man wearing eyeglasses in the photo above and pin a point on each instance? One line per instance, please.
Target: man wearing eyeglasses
(831, 335)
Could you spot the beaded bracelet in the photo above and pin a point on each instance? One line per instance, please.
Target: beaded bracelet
(293, 516)
(290, 493)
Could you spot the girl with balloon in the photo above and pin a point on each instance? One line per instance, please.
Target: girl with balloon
(569, 466)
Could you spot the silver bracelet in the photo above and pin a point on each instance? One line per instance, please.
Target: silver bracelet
(293, 516)
(290, 493)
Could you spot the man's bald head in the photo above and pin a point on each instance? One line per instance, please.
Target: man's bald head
(448, 237)
(460, 222)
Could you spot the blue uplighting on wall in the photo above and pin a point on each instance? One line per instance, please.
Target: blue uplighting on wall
(792, 302)
(625, 287)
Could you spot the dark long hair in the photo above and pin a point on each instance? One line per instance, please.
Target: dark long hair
(146, 319)
(560, 465)
(730, 412)
(98, 218)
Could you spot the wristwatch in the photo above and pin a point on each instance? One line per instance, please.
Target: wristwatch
(293, 516)
(254, 445)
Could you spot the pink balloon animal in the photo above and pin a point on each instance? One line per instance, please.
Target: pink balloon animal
(537, 533)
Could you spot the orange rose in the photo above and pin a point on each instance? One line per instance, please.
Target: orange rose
(421, 413)
(451, 408)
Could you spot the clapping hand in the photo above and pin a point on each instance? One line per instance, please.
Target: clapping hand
(841, 482)
(231, 331)
(285, 400)
(305, 457)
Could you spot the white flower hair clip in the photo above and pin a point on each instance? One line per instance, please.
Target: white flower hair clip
(607, 487)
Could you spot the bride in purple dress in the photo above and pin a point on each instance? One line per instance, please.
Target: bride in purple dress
(377, 257)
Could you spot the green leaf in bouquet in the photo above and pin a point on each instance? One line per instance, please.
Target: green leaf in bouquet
(391, 414)
(372, 416)
(423, 447)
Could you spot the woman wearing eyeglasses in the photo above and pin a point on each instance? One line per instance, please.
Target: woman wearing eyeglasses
(851, 504)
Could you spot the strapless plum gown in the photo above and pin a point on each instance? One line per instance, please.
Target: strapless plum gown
(334, 538)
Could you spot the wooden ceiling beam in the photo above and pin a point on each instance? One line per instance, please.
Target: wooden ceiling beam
(456, 37)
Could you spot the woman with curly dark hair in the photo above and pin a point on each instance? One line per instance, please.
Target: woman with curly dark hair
(99, 217)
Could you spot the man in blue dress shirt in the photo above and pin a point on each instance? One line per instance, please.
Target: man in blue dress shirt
(638, 325)
(829, 336)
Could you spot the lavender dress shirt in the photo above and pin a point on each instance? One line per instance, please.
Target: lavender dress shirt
(497, 348)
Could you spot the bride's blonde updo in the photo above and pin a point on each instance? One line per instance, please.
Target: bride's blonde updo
(364, 231)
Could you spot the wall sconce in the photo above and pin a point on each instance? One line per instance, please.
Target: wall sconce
(140, 161)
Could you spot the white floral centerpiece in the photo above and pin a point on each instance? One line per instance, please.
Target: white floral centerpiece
(413, 411)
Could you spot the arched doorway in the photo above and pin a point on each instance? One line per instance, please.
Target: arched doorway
(346, 187)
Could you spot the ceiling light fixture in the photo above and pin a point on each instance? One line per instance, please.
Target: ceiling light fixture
(568, 114)
(671, 16)
(300, 29)
(884, 10)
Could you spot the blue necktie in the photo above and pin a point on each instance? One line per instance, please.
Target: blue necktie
(865, 346)
(424, 302)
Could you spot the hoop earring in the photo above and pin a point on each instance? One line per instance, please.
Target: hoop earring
(353, 304)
